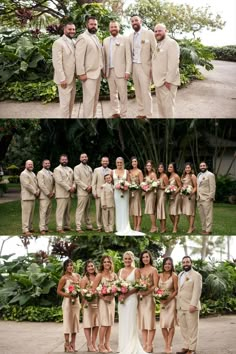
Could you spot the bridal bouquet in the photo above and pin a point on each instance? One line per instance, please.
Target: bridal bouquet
(161, 294)
(186, 190)
(88, 295)
(123, 287)
(141, 285)
(123, 186)
(133, 187)
(74, 291)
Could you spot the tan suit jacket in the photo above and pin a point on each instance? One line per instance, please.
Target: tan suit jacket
(83, 179)
(148, 46)
(207, 187)
(63, 59)
(98, 180)
(189, 292)
(29, 185)
(121, 56)
(107, 195)
(89, 56)
(64, 180)
(165, 63)
(45, 183)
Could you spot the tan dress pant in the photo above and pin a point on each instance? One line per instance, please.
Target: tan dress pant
(142, 91)
(108, 219)
(98, 213)
(166, 101)
(189, 328)
(63, 213)
(82, 212)
(206, 214)
(27, 214)
(90, 97)
(118, 85)
(67, 99)
(45, 207)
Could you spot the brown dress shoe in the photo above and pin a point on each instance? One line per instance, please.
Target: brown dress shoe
(27, 233)
(43, 232)
(115, 116)
(183, 351)
(141, 117)
(61, 231)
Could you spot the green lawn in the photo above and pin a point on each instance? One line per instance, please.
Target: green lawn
(10, 220)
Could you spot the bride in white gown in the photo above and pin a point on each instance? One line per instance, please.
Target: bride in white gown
(120, 175)
(128, 339)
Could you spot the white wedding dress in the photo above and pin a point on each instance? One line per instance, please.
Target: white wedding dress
(128, 339)
(122, 209)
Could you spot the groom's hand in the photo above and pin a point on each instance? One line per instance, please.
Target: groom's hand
(192, 309)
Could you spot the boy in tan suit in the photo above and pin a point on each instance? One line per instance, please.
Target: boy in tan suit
(143, 45)
(188, 305)
(206, 188)
(46, 186)
(64, 188)
(117, 69)
(165, 71)
(89, 63)
(108, 204)
(63, 59)
(29, 192)
(83, 179)
(97, 182)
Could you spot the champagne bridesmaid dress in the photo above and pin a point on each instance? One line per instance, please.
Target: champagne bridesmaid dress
(150, 200)
(161, 202)
(146, 308)
(90, 313)
(135, 208)
(167, 312)
(174, 202)
(71, 312)
(188, 205)
(106, 309)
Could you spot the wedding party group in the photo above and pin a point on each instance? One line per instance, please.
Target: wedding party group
(150, 57)
(137, 291)
(118, 196)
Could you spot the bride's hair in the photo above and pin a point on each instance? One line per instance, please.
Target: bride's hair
(120, 159)
(101, 269)
(131, 255)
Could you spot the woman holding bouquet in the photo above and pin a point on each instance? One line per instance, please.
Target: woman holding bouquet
(175, 209)
(70, 305)
(135, 208)
(106, 305)
(161, 196)
(168, 282)
(121, 195)
(150, 195)
(90, 306)
(127, 308)
(146, 306)
(188, 192)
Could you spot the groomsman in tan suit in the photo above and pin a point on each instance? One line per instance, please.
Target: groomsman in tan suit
(165, 71)
(108, 204)
(46, 186)
(188, 305)
(83, 179)
(143, 45)
(97, 182)
(63, 59)
(29, 192)
(117, 69)
(89, 63)
(64, 188)
(206, 188)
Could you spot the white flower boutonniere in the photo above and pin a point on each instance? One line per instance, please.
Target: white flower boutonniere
(117, 43)
(142, 41)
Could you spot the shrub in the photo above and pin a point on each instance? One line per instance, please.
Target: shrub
(13, 179)
(225, 187)
(31, 313)
(227, 53)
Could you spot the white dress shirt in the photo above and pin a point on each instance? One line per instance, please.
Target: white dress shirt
(137, 47)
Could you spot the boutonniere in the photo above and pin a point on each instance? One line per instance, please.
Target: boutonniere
(157, 49)
(203, 178)
(187, 278)
(142, 41)
(118, 44)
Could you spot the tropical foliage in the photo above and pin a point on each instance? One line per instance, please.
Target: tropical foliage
(226, 53)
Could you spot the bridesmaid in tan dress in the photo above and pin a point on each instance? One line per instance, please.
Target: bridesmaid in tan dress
(90, 309)
(71, 312)
(168, 280)
(175, 209)
(106, 304)
(150, 197)
(135, 208)
(146, 306)
(189, 201)
(161, 196)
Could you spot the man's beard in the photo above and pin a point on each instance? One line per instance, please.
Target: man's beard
(136, 27)
(69, 35)
(114, 33)
(64, 164)
(84, 162)
(92, 30)
(161, 38)
(203, 170)
(187, 268)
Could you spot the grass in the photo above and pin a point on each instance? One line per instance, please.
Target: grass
(10, 220)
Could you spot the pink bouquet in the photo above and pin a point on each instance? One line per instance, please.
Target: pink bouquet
(106, 290)
(161, 294)
(146, 187)
(88, 295)
(123, 186)
(123, 287)
(74, 291)
(186, 190)
(142, 285)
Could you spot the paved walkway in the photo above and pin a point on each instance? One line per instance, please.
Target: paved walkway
(214, 97)
(216, 336)
(10, 196)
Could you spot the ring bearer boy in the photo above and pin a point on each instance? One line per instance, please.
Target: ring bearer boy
(108, 204)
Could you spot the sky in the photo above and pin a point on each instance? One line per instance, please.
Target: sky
(227, 10)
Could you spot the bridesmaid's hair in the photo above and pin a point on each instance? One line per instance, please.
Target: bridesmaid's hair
(66, 263)
(172, 264)
(164, 170)
(174, 166)
(101, 269)
(133, 158)
(141, 264)
(130, 253)
(185, 165)
(85, 268)
(145, 169)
